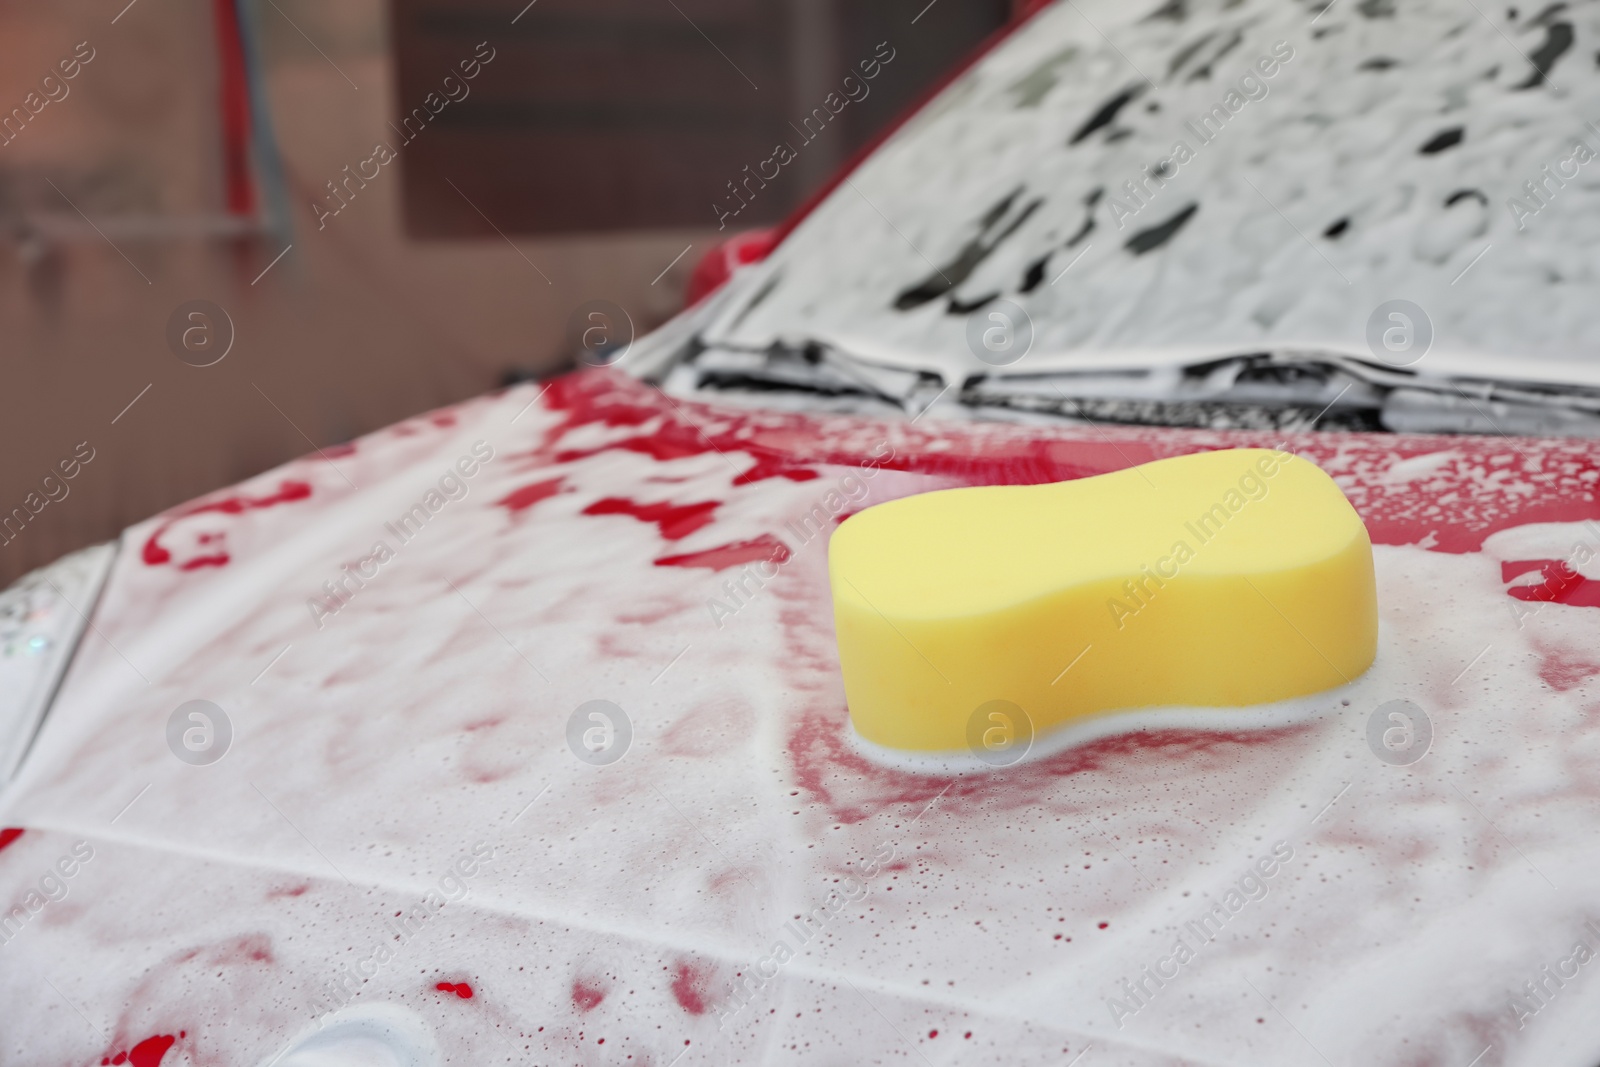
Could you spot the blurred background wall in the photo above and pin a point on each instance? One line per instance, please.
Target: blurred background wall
(227, 151)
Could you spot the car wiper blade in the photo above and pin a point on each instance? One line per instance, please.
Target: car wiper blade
(1287, 391)
(805, 366)
(1295, 391)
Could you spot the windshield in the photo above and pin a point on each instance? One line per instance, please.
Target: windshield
(1162, 182)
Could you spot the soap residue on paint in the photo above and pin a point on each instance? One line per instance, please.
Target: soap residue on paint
(1009, 905)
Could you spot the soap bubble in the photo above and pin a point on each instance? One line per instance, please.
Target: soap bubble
(599, 732)
(999, 733)
(1399, 333)
(1399, 733)
(199, 732)
(1000, 333)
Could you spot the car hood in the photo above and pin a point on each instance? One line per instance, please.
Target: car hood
(401, 649)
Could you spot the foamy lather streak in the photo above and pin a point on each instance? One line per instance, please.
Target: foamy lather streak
(1222, 578)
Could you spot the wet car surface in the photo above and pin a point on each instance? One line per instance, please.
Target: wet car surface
(664, 556)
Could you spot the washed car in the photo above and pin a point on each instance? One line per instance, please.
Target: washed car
(514, 733)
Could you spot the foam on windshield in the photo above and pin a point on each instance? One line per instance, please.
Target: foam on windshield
(1163, 181)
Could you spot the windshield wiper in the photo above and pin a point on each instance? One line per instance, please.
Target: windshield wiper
(1293, 391)
(809, 367)
(1282, 391)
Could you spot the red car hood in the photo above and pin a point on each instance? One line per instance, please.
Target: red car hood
(400, 749)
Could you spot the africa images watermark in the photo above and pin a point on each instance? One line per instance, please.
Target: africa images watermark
(816, 522)
(1206, 526)
(1558, 575)
(1251, 887)
(53, 887)
(455, 90)
(1250, 87)
(1540, 192)
(52, 90)
(452, 485)
(451, 887)
(55, 490)
(803, 928)
(1539, 992)
(810, 128)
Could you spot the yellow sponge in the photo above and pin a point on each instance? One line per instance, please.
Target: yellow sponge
(1222, 578)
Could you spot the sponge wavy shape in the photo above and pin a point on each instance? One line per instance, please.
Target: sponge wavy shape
(1217, 579)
